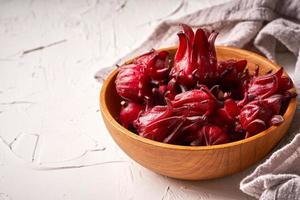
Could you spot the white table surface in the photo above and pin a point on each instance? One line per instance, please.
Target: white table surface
(53, 143)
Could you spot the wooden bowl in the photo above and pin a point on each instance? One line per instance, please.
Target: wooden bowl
(194, 162)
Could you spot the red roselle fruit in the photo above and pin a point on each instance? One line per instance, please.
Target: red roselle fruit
(195, 59)
(150, 116)
(183, 69)
(187, 126)
(160, 129)
(273, 103)
(227, 114)
(256, 115)
(211, 135)
(204, 56)
(231, 70)
(198, 100)
(285, 83)
(129, 113)
(266, 85)
(157, 64)
(132, 83)
(158, 122)
(253, 118)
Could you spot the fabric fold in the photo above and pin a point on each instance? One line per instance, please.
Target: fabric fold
(279, 173)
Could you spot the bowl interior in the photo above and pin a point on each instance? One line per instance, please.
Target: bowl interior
(112, 99)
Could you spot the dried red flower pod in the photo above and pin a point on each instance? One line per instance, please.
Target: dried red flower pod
(165, 123)
(199, 101)
(273, 103)
(129, 113)
(231, 71)
(256, 115)
(227, 114)
(268, 84)
(160, 129)
(204, 56)
(253, 118)
(188, 126)
(189, 32)
(151, 115)
(132, 83)
(212, 135)
(159, 122)
(195, 59)
(157, 64)
(183, 69)
(285, 83)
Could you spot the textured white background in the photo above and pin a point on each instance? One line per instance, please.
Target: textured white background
(53, 143)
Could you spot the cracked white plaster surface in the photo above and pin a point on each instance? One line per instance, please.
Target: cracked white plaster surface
(4, 196)
(47, 70)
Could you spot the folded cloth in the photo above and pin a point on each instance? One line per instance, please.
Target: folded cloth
(278, 177)
(262, 25)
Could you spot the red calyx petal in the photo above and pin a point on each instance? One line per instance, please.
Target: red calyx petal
(183, 69)
(160, 129)
(200, 101)
(265, 86)
(213, 135)
(189, 32)
(200, 57)
(152, 115)
(156, 64)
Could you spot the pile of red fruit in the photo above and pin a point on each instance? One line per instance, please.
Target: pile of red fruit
(195, 100)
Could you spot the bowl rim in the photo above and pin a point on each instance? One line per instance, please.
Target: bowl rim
(105, 111)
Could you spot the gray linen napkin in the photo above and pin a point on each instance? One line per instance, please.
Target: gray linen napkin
(261, 25)
(278, 177)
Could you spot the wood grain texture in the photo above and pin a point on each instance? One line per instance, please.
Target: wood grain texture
(195, 163)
